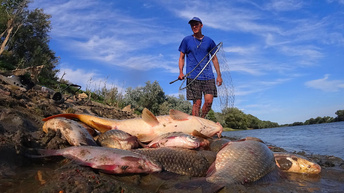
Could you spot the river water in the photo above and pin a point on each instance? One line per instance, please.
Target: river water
(323, 139)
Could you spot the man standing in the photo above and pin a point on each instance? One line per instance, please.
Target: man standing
(195, 47)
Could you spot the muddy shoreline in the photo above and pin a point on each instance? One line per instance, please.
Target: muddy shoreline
(20, 131)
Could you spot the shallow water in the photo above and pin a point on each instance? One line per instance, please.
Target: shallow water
(323, 139)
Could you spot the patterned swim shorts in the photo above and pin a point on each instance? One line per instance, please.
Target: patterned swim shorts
(200, 87)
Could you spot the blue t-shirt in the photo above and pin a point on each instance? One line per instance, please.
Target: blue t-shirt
(195, 50)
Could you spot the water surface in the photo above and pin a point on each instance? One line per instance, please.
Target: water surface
(323, 139)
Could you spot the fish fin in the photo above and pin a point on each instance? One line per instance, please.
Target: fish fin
(199, 134)
(178, 115)
(145, 137)
(90, 142)
(107, 168)
(149, 118)
(101, 127)
(211, 169)
(44, 153)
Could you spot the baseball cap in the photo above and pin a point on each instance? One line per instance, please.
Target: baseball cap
(195, 19)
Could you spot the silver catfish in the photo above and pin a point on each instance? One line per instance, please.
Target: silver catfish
(74, 132)
(149, 126)
(109, 160)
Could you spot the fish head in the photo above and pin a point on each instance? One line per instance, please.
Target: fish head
(209, 128)
(151, 166)
(296, 164)
(191, 142)
(185, 141)
(307, 167)
(176, 139)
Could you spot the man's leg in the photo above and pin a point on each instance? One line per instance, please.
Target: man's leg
(208, 101)
(196, 107)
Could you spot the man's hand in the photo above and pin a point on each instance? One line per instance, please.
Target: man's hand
(219, 81)
(181, 76)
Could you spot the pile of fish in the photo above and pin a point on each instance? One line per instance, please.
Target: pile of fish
(178, 143)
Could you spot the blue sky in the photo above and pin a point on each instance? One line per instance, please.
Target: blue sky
(285, 57)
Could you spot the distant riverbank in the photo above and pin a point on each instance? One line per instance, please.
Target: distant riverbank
(323, 139)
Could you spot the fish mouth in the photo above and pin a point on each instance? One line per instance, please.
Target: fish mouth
(210, 128)
(312, 169)
(219, 132)
(204, 143)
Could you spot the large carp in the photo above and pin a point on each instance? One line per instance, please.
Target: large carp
(179, 160)
(109, 160)
(241, 162)
(118, 139)
(149, 126)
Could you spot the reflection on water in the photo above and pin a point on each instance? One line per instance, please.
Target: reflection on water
(27, 179)
(323, 139)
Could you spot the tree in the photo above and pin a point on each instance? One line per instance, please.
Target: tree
(175, 103)
(150, 96)
(235, 119)
(29, 45)
(340, 115)
(13, 15)
(253, 122)
(211, 115)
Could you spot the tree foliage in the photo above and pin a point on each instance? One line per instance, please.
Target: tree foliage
(175, 103)
(12, 14)
(150, 96)
(236, 119)
(28, 42)
(340, 115)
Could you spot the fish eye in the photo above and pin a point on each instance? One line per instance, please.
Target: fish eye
(191, 138)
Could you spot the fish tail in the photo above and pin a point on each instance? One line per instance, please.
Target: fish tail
(101, 124)
(68, 116)
(39, 153)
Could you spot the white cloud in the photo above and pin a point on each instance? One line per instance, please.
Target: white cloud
(339, 1)
(308, 54)
(254, 87)
(241, 50)
(326, 85)
(284, 5)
